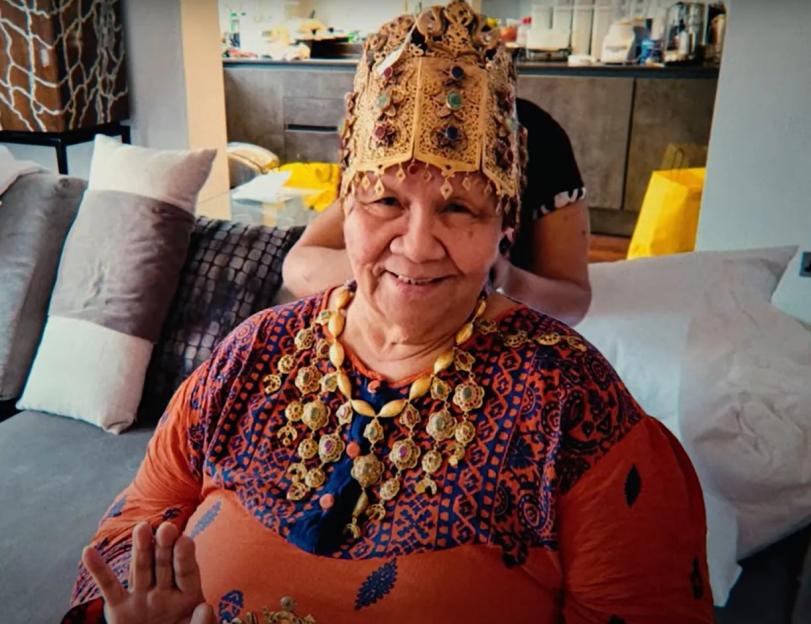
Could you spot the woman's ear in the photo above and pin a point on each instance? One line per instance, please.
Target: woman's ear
(507, 240)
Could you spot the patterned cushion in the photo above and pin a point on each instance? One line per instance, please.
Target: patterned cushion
(232, 271)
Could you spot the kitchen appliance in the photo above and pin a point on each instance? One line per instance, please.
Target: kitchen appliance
(622, 42)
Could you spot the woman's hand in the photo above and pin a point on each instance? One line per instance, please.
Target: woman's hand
(164, 582)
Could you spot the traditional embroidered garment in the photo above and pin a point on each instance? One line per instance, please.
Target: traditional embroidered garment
(570, 503)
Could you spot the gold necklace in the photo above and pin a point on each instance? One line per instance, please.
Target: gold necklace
(405, 454)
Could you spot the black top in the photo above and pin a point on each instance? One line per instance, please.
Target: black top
(553, 178)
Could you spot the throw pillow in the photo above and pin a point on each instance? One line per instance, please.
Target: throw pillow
(232, 271)
(35, 215)
(116, 279)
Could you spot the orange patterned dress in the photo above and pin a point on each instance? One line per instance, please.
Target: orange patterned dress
(570, 505)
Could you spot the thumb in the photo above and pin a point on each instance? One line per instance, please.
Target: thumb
(203, 614)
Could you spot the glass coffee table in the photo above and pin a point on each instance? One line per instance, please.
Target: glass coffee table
(283, 214)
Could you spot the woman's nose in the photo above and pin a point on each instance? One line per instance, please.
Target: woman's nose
(418, 242)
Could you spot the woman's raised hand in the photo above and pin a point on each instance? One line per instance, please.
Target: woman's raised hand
(164, 580)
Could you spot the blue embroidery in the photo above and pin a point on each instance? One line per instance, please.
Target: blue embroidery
(231, 605)
(117, 507)
(377, 585)
(205, 520)
(172, 512)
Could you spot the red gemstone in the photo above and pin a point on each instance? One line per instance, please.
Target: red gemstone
(380, 131)
(326, 501)
(353, 450)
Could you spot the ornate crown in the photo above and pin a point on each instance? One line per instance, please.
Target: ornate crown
(440, 89)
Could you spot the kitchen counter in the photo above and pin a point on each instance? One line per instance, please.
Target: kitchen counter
(529, 68)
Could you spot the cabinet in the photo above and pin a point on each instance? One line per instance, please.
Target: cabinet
(620, 120)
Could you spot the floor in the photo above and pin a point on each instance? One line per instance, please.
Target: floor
(608, 248)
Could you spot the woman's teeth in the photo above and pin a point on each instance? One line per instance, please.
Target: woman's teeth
(415, 281)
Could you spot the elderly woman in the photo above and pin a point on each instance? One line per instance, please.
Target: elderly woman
(410, 447)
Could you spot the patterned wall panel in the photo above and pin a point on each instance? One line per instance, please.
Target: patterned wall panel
(61, 64)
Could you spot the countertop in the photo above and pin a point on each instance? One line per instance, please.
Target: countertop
(524, 68)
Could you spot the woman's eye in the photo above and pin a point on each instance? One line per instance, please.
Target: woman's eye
(386, 201)
(458, 209)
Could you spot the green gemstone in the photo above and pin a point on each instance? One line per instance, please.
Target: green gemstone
(454, 100)
(383, 100)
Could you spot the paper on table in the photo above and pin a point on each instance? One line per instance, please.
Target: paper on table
(264, 188)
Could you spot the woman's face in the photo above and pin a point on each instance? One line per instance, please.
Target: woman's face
(420, 259)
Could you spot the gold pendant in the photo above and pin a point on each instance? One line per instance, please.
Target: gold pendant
(287, 435)
(271, 383)
(426, 486)
(315, 415)
(441, 424)
(468, 396)
(308, 380)
(390, 488)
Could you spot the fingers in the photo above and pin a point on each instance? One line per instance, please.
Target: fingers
(165, 538)
(111, 590)
(142, 556)
(187, 573)
(203, 614)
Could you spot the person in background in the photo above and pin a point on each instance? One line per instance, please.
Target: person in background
(547, 263)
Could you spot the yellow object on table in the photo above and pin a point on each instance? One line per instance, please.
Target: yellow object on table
(321, 178)
(668, 220)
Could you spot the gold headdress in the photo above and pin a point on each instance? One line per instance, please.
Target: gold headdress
(439, 89)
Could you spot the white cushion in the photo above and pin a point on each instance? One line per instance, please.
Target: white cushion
(640, 319)
(745, 413)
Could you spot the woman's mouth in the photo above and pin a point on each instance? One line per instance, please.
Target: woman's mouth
(415, 281)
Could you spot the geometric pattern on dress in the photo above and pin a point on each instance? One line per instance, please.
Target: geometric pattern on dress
(550, 413)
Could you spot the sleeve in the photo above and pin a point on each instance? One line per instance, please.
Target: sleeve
(553, 178)
(167, 486)
(631, 513)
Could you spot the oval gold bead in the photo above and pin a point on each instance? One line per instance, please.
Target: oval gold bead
(443, 361)
(344, 385)
(419, 388)
(342, 297)
(392, 408)
(336, 324)
(480, 309)
(363, 408)
(464, 334)
(336, 354)
(361, 504)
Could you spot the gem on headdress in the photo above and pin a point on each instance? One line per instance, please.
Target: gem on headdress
(384, 133)
(452, 133)
(457, 73)
(384, 99)
(400, 175)
(454, 100)
(379, 188)
(504, 155)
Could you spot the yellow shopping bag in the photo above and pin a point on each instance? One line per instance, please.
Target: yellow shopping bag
(668, 220)
(321, 178)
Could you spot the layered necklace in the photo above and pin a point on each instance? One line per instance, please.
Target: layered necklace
(319, 438)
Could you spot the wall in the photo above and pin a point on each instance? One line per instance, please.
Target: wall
(758, 187)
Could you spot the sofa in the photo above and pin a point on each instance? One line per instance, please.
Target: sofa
(60, 474)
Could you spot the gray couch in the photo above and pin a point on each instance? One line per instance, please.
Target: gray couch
(58, 476)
